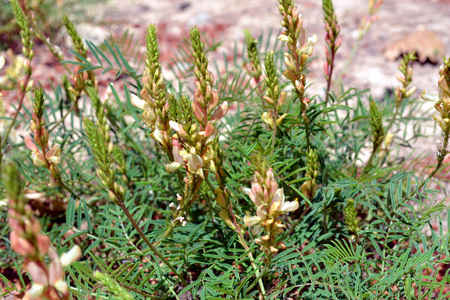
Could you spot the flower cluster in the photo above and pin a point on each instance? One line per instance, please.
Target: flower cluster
(194, 146)
(442, 118)
(296, 59)
(332, 39)
(102, 149)
(294, 34)
(254, 66)
(28, 241)
(405, 79)
(274, 97)
(309, 187)
(401, 93)
(195, 141)
(45, 156)
(270, 203)
(367, 21)
(154, 95)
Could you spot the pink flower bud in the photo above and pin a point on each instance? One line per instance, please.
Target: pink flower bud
(255, 193)
(208, 91)
(20, 245)
(176, 151)
(14, 224)
(198, 96)
(37, 273)
(53, 154)
(271, 184)
(214, 101)
(30, 145)
(199, 113)
(327, 54)
(33, 126)
(220, 112)
(209, 130)
(56, 272)
(43, 243)
(32, 226)
(325, 69)
(145, 96)
(338, 43)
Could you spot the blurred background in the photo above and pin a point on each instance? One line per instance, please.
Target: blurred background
(396, 27)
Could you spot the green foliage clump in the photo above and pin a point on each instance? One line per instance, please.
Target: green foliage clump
(163, 192)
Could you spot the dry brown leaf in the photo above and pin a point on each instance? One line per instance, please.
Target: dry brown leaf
(426, 44)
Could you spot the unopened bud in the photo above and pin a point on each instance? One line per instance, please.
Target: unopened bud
(112, 196)
(410, 91)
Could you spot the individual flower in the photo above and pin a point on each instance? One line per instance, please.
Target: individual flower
(71, 256)
(270, 204)
(267, 213)
(307, 48)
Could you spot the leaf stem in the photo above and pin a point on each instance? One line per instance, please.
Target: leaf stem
(23, 90)
(149, 244)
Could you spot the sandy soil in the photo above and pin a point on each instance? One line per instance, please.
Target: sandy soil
(226, 19)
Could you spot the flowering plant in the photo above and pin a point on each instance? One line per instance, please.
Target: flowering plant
(239, 183)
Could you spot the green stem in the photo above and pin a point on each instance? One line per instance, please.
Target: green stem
(242, 242)
(250, 255)
(397, 108)
(333, 53)
(286, 234)
(67, 188)
(74, 105)
(274, 131)
(372, 155)
(324, 218)
(439, 164)
(350, 58)
(149, 244)
(263, 272)
(22, 94)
